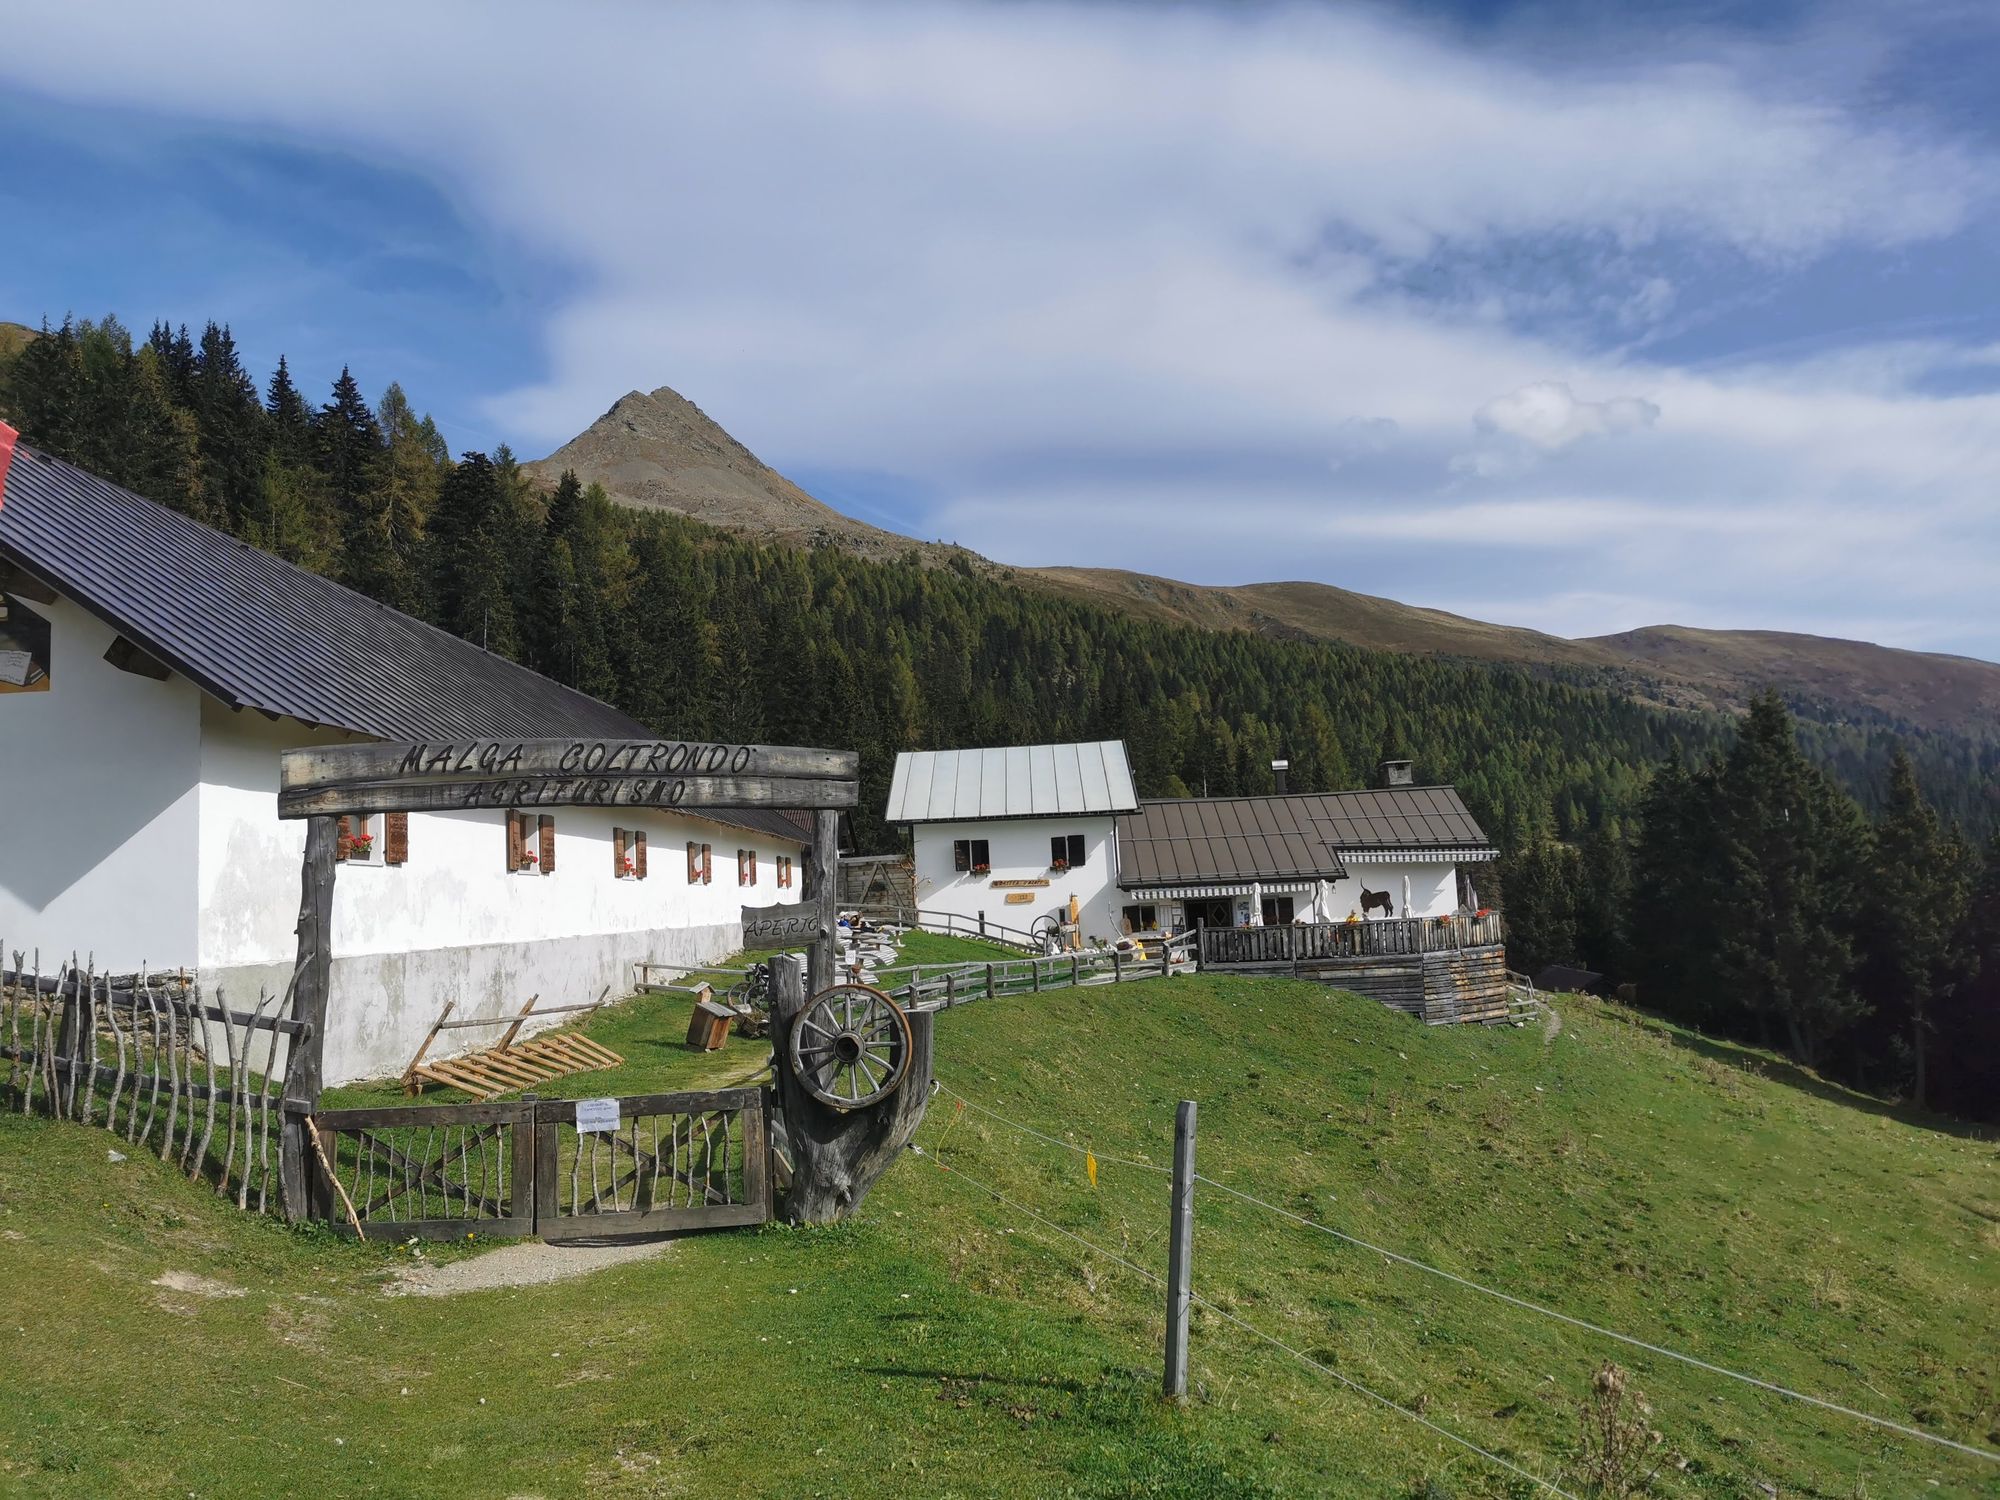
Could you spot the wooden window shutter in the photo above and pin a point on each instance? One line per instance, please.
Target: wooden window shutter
(617, 851)
(694, 863)
(517, 841)
(639, 852)
(396, 839)
(707, 864)
(547, 824)
(343, 838)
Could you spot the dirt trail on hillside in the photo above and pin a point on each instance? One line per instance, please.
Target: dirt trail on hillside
(530, 1263)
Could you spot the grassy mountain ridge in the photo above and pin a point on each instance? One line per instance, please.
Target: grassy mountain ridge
(14, 337)
(659, 450)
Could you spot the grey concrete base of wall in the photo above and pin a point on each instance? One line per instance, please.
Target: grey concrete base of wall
(382, 1004)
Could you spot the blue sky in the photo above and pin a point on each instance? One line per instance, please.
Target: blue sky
(1579, 317)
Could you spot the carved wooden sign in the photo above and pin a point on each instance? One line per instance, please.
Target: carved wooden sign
(1003, 885)
(432, 777)
(767, 926)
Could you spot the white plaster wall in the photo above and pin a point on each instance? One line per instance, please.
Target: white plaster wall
(453, 923)
(1019, 849)
(98, 785)
(1433, 889)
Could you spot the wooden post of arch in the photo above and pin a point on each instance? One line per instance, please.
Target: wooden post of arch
(823, 890)
(305, 1058)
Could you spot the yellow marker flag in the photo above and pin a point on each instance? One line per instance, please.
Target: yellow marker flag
(1090, 1166)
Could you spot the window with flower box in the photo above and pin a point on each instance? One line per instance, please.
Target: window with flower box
(701, 864)
(373, 839)
(1066, 851)
(531, 843)
(628, 853)
(971, 855)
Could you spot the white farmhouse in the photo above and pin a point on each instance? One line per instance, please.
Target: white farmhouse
(1006, 837)
(152, 669)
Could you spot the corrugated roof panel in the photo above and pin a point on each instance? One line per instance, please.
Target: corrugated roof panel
(1120, 789)
(1017, 795)
(1043, 779)
(1094, 771)
(1071, 783)
(899, 789)
(1017, 781)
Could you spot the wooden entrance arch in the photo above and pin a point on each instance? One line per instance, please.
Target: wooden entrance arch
(322, 784)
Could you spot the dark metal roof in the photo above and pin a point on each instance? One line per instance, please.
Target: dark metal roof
(1200, 839)
(260, 633)
(257, 632)
(1217, 840)
(1402, 817)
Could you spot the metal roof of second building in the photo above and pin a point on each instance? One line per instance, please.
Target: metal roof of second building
(1016, 781)
(1214, 840)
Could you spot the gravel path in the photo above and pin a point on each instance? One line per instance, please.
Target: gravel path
(530, 1263)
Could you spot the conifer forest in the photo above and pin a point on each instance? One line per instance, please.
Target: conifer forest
(1828, 890)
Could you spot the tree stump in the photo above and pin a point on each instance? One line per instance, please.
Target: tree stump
(836, 1155)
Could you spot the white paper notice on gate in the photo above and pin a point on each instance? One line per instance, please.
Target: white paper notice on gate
(597, 1114)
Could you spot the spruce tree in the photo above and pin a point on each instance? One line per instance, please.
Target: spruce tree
(1792, 846)
(230, 422)
(470, 536)
(1917, 924)
(387, 532)
(291, 419)
(347, 445)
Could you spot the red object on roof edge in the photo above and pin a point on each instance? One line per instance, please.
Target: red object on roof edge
(8, 436)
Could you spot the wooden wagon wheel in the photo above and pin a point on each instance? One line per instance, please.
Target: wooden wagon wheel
(850, 1047)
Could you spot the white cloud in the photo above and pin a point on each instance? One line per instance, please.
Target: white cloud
(1547, 415)
(1027, 258)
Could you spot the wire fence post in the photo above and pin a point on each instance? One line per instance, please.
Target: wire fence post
(1180, 1249)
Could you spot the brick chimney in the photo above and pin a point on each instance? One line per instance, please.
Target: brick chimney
(1398, 773)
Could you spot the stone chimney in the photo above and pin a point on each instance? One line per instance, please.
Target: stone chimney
(1398, 773)
(1279, 771)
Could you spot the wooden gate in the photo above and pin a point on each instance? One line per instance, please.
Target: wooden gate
(642, 1165)
(670, 1162)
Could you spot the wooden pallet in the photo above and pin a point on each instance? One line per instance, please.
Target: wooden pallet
(509, 1064)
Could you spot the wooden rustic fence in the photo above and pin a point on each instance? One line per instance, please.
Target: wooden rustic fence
(1304, 942)
(672, 1162)
(951, 924)
(152, 1060)
(941, 986)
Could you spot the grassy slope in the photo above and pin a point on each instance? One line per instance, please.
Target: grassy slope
(1699, 1195)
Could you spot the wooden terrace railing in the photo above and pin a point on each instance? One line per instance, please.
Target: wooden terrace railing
(1306, 942)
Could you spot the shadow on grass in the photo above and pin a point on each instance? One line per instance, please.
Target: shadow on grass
(981, 1377)
(1782, 1070)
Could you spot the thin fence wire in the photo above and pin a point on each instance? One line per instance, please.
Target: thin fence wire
(1267, 1338)
(1345, 1380)
(1773, 1387)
